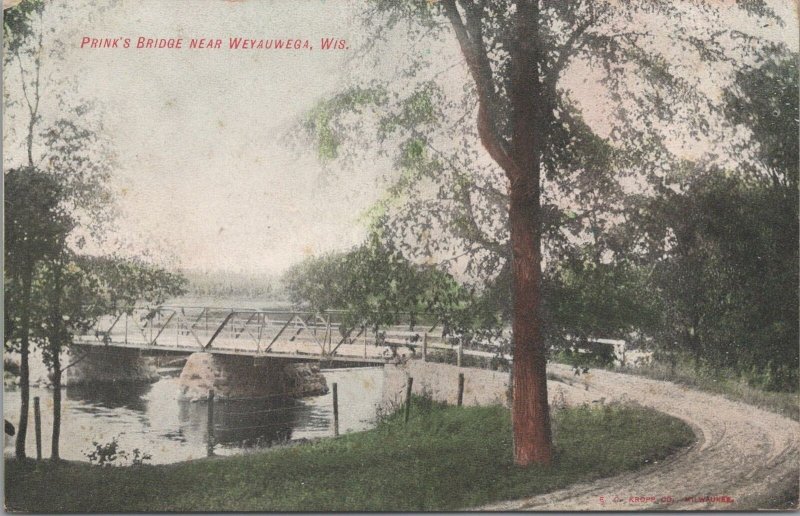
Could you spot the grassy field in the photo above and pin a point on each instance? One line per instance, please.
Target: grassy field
(445, 458)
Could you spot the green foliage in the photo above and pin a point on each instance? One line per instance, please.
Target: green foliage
(321, 121)
(725, 245)
(104, 454)
(74, 292)
(764, 101)
(36, 227)
(375, 285)
(444, 459)
(586, 297)
(36, 223)
(124, 282)
(732, 384)
(109, 453)
(17, 22)
(730, 281)
(494, 363)
(584, 355)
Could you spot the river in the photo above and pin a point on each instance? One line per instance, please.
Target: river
(151, 418)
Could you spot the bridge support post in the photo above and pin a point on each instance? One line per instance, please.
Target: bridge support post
(335, 410)
(210, 424)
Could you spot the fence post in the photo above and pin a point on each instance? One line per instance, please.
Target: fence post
(37, 422)
(460, 389)
(335, 410)
(408, 397)
(425, 347)
(210, 423)
(460, 355)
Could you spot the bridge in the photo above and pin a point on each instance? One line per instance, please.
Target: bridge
(247, 352)
(297, 335)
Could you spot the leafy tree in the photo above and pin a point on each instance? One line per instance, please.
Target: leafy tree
(35, 228)
(76, 291)
(763, 100)
(585, 297)
(725, 243)
(54, 204)
(729, 278)
(516, 54)
(375, 285)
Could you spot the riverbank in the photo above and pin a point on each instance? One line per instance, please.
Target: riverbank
(444, 458)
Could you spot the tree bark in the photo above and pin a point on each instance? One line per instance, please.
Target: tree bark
(24, 370)
(522, 164)
(530, 411)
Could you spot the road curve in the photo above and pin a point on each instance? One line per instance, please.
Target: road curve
(745, 458)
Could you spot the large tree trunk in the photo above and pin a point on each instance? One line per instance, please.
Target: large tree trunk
(531, 414)
(24, 370)
(530, 411)
(521, 162)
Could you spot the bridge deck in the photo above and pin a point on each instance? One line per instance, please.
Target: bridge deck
(295, 335)
(294, 354)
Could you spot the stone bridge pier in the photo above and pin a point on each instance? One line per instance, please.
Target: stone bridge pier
(229, 376)
(232, 376)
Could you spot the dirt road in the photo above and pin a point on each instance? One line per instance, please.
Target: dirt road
(745, 457)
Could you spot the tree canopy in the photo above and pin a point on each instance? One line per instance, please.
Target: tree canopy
(518, 172)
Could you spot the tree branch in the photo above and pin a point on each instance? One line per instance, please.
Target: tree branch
(568, 50)
(463, 196)
(481, 71)
(474, 229)
(74, 362)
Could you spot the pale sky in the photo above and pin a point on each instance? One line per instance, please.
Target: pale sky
(201, 167)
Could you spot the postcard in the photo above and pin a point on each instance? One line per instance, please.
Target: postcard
(400, 255)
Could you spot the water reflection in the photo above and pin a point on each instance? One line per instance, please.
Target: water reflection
(242, 423)
(152, 418)
(129, 396)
